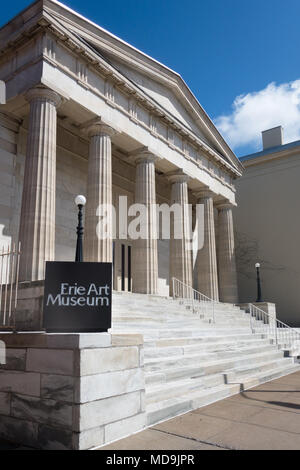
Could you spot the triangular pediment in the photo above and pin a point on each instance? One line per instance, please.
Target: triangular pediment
(159, 83)
(163, 94)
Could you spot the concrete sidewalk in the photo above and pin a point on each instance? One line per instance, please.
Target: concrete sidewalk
(266, 417)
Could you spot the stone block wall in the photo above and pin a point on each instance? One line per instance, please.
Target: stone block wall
(71, 391)
(29, 314)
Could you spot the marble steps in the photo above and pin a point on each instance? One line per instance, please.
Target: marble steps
(152, 333)
(199, 366)
(128, 307)
(136, 327)
(171, 407)
(210, 364)
(156, 352)
(201, 336)
(140, 314)
(257, 369)
(207, 340)
(156, 313)
(168, 319)
(136, 300)
(287, 366)
(171, 376)
(161, 391)
(160, 310)
(198, 344)
(189, 361)
(180, 320)
(130, 301)
(208, 334)
(140, 320)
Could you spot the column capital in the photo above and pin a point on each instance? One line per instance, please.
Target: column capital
(39, 93)
(177, 176)
(204, 193)
(98, 127)
(143, 154)
(223, 205)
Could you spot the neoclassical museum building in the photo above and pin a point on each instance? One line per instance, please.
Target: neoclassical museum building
(87, 113)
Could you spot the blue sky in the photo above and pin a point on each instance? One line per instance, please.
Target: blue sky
(223, 49)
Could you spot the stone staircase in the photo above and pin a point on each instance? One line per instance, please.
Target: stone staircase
(190, 361)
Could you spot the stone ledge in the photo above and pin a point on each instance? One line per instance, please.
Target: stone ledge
(42, 339)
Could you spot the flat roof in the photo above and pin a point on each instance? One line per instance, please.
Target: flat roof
(279, 148)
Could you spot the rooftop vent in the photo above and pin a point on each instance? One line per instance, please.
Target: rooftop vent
(272, 137)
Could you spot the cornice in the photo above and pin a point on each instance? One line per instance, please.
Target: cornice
(127, 53)
(126, 85)
(277, 155)
(48, 23)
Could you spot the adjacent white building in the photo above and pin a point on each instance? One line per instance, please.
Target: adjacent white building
(268, 226)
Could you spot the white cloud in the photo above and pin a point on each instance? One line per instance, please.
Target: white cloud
(255, 112)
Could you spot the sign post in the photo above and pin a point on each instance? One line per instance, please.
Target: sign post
(77, 297)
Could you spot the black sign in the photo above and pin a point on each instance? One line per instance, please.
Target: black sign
(77, 297)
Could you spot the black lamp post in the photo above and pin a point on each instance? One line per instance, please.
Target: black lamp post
(259, 297)
(80, 202)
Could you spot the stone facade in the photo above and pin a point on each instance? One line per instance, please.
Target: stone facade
(83, 117)
(71, 391)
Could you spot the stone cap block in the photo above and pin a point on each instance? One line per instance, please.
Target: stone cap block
(56, 340)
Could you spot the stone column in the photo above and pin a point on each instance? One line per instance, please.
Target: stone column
(37, 223)
(226, 255)
(207, 274)
(180, 249)
(145, 263)
(99, 193)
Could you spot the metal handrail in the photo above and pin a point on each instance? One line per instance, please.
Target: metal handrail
(188, 294)
(9, 280)
(270, 326)
(282, 333)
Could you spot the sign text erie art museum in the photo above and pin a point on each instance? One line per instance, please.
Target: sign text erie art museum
(77, 296)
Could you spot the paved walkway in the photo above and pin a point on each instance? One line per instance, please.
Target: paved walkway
(264, 418)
